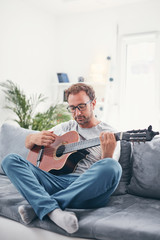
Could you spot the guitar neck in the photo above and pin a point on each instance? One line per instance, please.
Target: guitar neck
(87, 143)
(82, 145)
(134, 136)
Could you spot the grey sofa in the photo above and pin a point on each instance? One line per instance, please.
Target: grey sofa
(133, 211)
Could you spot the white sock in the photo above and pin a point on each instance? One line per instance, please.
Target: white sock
(27, 213)
(66, 220)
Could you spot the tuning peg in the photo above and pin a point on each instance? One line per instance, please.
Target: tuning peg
(150, 128)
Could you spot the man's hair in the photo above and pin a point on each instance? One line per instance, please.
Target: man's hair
(78, 87)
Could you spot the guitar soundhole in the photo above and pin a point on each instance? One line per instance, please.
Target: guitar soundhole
(60, 151)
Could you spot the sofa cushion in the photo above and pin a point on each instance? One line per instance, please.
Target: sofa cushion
(125, 162)
(145, 180)
(139, 221)
(12, 140)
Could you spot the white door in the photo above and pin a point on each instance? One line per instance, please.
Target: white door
(139, 85)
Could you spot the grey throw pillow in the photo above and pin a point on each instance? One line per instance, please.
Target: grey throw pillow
(125, 162)
(12, 140)
(145, 179)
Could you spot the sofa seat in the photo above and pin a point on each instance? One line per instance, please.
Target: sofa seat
(126, 217)
(140, 220)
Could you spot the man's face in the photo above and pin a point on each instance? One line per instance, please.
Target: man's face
(85, 116)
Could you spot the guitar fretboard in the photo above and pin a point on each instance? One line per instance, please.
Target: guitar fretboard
(71, 147)
(134, 136)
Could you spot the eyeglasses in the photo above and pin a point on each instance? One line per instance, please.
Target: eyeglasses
(81, 107)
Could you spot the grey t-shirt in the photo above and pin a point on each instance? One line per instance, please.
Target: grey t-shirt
(85, 134)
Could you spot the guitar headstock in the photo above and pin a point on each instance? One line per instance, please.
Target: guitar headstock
(141, 135)
(150, 134)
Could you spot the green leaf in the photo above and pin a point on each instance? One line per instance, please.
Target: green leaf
(25, 107)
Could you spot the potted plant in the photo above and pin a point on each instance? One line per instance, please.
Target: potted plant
(24, 108)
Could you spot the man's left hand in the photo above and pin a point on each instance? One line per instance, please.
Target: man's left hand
(108, 144)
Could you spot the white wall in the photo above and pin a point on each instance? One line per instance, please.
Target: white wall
(36, 45)
(27, 48)
(141, 18)
(83, 40)
(90, 37)
(86, 38)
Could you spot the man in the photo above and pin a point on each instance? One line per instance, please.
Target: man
(94, 179)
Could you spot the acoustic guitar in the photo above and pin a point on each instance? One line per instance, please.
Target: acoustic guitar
(62, 156)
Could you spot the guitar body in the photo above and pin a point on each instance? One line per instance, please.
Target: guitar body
(50, 161)
(70, 163)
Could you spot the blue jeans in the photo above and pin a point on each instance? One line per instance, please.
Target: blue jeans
(46, 192)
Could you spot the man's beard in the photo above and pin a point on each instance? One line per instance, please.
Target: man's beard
(82, 120)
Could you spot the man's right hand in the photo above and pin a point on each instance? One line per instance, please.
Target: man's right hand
(44, 138)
